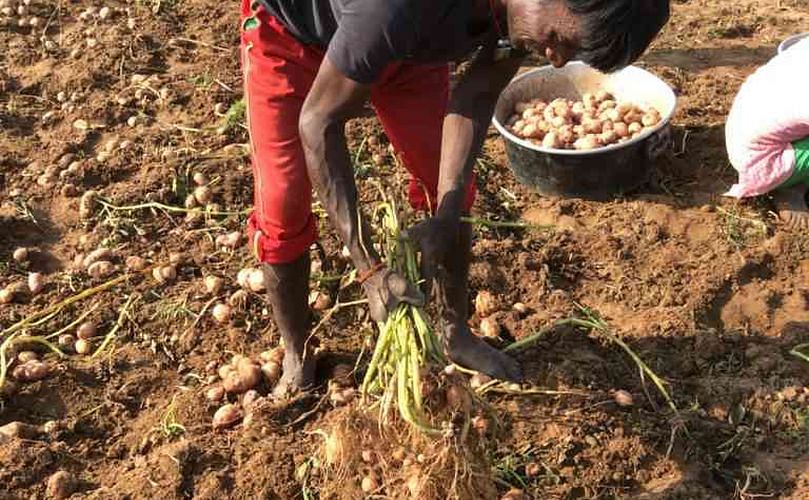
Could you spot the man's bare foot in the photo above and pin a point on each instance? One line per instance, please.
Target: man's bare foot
(792, 208)
(472, 352)
(298, 375)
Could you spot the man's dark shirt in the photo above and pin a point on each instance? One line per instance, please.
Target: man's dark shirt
(361, 37)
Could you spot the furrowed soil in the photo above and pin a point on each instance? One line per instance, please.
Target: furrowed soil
(711, 293)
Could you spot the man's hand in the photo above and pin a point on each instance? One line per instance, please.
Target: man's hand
(387, 289)
(434, 237)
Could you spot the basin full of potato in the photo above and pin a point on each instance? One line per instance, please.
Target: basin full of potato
(598, 119)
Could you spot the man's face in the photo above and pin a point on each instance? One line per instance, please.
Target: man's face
(544, 26)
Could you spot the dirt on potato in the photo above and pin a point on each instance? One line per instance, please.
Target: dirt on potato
(712, 294)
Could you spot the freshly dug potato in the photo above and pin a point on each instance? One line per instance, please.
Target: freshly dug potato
(595, 121)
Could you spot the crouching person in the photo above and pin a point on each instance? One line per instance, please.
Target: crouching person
(767, 134)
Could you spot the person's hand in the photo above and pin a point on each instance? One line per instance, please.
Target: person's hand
(387, 289)
(434, 237)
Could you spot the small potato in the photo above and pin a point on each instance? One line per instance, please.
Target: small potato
(20, 255)
(592, 126)
(243, 277)
(632, 117)
(221, 313)
(83, 346)
(608, 137)
(100, 269)
(190, 201)
(215, 393)
(650, 119)
(578, 109)
(558, 121)
(164, 274)
(528, 113)
(548, 114)
(61, 485)
(589, 101)
(490, 328)
(226, 416)
(66, 341)
(255, 280)
(271, 371)
(608, 104)
(135, 263)
(624, 108)
(530, 130)
(26, 356)
(200, 179)
(578, 130)
(97, 255)
(230, 240)
(486, 303)
(621, 129)
(36, 282)
(566, 134)
(203, 194)
(214, 284)
(551, 141)
(607, 125)
(86, 330)
(634, 128)
(586, 143)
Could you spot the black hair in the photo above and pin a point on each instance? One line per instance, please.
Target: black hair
(614, 33)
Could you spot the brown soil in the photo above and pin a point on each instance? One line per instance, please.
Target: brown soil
(711, 293)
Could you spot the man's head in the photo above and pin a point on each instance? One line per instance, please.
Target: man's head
(606, 34)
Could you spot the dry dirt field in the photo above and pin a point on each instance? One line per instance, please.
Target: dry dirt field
(712, 294)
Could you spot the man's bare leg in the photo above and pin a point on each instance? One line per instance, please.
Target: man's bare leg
(288, 292)
(463, 347)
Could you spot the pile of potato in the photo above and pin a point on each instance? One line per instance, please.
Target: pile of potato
(595, 121)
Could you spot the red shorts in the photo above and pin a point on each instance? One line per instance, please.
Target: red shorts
(409, 99)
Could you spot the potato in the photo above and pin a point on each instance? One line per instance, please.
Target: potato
(86, 330)
(203, 194)
(135, 263)
(558, 121)
(100, 269)
(530, 130)
(551, 141)
(83, 346)
(25, 356)
(271, 371)
(621, 129)
(592, 126)
(566, 134)
(632, 117)
(214, 284)
(634, 128)
(490, 328)
(61, 484)
(20, 255)
(650, 119)
(606, 105)
(486, 303)
(221, 313)
(164, 274)
(226, 416)
(586, 143)
(97, 255)
(578, 109)
(608, 137)
(36, 282)
(528, 113)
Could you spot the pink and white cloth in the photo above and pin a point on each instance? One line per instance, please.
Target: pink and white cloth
(770, 112)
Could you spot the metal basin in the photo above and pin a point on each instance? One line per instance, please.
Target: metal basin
(599, 173)
(789, 42)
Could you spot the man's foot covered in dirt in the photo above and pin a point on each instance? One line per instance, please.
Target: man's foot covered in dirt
(792, 207)
(474, 353)
(298, 375)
